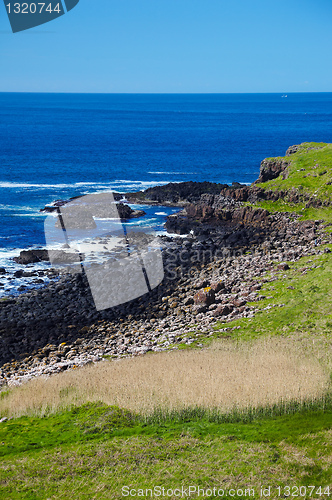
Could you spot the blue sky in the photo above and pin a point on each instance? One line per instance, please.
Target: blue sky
(173, 46)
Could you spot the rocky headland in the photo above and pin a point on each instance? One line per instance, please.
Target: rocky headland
(229, 246)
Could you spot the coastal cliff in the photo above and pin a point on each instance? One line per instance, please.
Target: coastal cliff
(300, 180)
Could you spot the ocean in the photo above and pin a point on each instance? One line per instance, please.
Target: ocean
(54, 146)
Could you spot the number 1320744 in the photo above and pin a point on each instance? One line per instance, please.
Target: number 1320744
(32, 8)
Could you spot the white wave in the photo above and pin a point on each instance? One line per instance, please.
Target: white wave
(25, 185)
(160, 213)
(172, 173)
(174, 235)
(117, 183)
(14, 185)
(36, 214)
(141, 184)
(141, 222)
(16, 207)
(9, 253)
(107, 218)
(47, 186)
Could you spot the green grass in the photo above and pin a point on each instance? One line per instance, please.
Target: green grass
(310, 213)
(309, 172)
(81, 454)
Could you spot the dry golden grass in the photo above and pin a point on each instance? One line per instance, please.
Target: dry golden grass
(223, 376)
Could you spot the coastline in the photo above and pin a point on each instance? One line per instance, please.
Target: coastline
(17, 278)
(226, 250)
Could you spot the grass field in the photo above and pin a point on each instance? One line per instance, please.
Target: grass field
(223, 376)
(95, 451)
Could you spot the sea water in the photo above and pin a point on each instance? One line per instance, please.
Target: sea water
(54, 146)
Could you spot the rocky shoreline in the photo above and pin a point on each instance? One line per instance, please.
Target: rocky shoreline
(207, 277)
(213, 272)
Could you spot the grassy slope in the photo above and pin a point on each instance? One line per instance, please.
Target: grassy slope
(93, 451)
(310, 172)
(94, 456)
(301, 300)
(310, 169)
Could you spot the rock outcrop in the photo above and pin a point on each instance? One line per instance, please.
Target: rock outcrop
(272, 168)
(32, 257)
(215, 210)
(58, 257)
(292, 150)
(176, 193)
(80, 216)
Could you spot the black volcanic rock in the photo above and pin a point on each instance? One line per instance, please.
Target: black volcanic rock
(78, 215)
(31, 257)
(173, 193)
(34, 256)
(125, 212)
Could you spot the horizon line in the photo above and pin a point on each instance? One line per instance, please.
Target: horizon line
(159, 93)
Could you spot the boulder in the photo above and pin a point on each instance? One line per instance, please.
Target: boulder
(205, 297)
(34, 256)
(217, 286)
(239, 302)
(223, 310)
(31, 257)
(283, 266)
(137, 213)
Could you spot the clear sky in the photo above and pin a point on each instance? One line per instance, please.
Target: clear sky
(173, 46)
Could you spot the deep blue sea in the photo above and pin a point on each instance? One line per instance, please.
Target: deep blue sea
(59, 145)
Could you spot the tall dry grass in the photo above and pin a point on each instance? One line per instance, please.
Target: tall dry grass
(224, 376)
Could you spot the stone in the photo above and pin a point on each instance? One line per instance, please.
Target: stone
(205, 297)
(31, 256)
(223, 310)
(283, 266)
(216, 286)
(202, 284)
(239, 302)
(270, 169)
